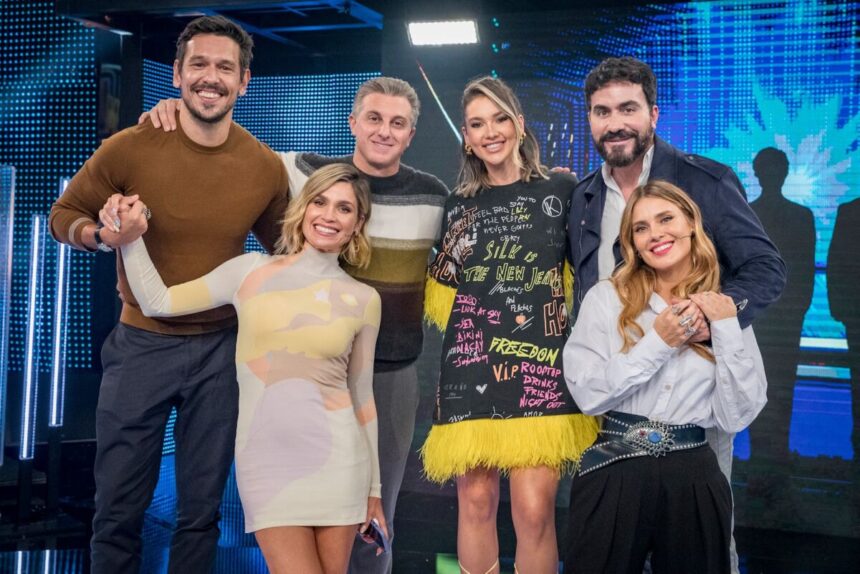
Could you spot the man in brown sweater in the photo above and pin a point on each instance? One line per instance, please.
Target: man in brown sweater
(206, 186)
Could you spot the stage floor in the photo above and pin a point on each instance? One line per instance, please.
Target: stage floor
(426, 544)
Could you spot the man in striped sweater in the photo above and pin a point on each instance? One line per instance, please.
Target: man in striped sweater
(404, 225)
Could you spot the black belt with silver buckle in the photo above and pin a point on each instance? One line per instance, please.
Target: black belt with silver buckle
(626, 436)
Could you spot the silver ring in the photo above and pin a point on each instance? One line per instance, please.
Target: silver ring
(676, 309)
(685, 320)
(147, 213)
(689, 331)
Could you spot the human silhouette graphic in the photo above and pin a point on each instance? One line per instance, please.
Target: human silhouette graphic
(778, 329)
(843, 285)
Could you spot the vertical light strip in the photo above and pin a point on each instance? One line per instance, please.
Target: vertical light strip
(31, 350)
(7, 236)
(58, 369)
(48, 556)
(60, 327)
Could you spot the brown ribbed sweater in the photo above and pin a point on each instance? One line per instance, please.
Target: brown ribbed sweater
(204, 202)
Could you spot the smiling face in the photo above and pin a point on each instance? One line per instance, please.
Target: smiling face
(662, 236)
(622, 123)
(383, 129)
(493, 137)
(210, 78)
(332, 218)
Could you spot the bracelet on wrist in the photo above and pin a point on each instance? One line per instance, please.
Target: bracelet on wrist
(101, 245)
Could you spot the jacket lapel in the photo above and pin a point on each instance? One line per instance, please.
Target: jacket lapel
(591, 217)
(664, 164)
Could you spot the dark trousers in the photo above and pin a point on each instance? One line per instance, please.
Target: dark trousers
(678, 507)
(396, 396)
(145, 375)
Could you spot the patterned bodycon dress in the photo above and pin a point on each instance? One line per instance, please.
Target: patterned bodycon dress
(306, 442)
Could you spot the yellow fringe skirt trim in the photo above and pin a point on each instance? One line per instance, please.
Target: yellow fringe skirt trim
(438, 303)
(567, 281)
(556, 441)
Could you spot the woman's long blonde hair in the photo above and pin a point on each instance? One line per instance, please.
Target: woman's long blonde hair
(635, 281)
(357, 251)
(473, 173)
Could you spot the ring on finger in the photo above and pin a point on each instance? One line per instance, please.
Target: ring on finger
(147, 213)
(676, 309)
(689, 331)
(685, 320)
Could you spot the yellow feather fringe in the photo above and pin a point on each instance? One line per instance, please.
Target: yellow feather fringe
(567, 282)
(556, 441)
(438, 303)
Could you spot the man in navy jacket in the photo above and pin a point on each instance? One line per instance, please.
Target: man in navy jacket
(752, 268)
(621, 96)
(623, 115)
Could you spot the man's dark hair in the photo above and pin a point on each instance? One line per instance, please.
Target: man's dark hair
(218, 26)
(624, 69)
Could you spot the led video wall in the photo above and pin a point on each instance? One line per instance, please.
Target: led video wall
(734, 78)
(765, 87)
(48, 92)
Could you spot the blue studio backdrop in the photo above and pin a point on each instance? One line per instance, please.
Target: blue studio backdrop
(734, 78)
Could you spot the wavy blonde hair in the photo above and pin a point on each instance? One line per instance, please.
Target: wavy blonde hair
(355, 253)
(635, 281)
(473, 173)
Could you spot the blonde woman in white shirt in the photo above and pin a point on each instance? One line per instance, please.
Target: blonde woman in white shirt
(650, 483)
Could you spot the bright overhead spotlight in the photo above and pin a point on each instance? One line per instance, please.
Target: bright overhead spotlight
(443, 33)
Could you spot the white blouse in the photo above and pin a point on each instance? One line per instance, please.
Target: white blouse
(652, 379)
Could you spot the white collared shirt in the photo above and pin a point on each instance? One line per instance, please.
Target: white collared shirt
(610, 224)
(668, 384)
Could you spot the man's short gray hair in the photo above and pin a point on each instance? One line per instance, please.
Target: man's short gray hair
(389, 87)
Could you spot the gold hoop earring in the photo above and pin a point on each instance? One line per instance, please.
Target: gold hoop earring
(468, 149)
(522, 138)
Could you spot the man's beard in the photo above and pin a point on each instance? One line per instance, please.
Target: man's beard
(617, 157)
(199, 115)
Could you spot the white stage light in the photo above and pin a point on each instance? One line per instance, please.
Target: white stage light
(443, 33)
(30, 392)
(60, 330)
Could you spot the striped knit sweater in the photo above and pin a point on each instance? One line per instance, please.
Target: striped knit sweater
(404, 225)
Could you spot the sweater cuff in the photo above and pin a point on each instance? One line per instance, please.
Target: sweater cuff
(76, 234)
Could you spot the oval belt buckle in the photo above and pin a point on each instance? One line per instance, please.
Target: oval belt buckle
(653, 437)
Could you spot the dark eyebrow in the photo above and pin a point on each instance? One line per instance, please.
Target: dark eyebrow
(219, 61)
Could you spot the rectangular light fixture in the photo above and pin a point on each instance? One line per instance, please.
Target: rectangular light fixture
(443, 33)
(60, 329)
(30, 394)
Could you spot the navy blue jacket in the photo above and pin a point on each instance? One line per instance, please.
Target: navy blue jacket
(750, 263)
